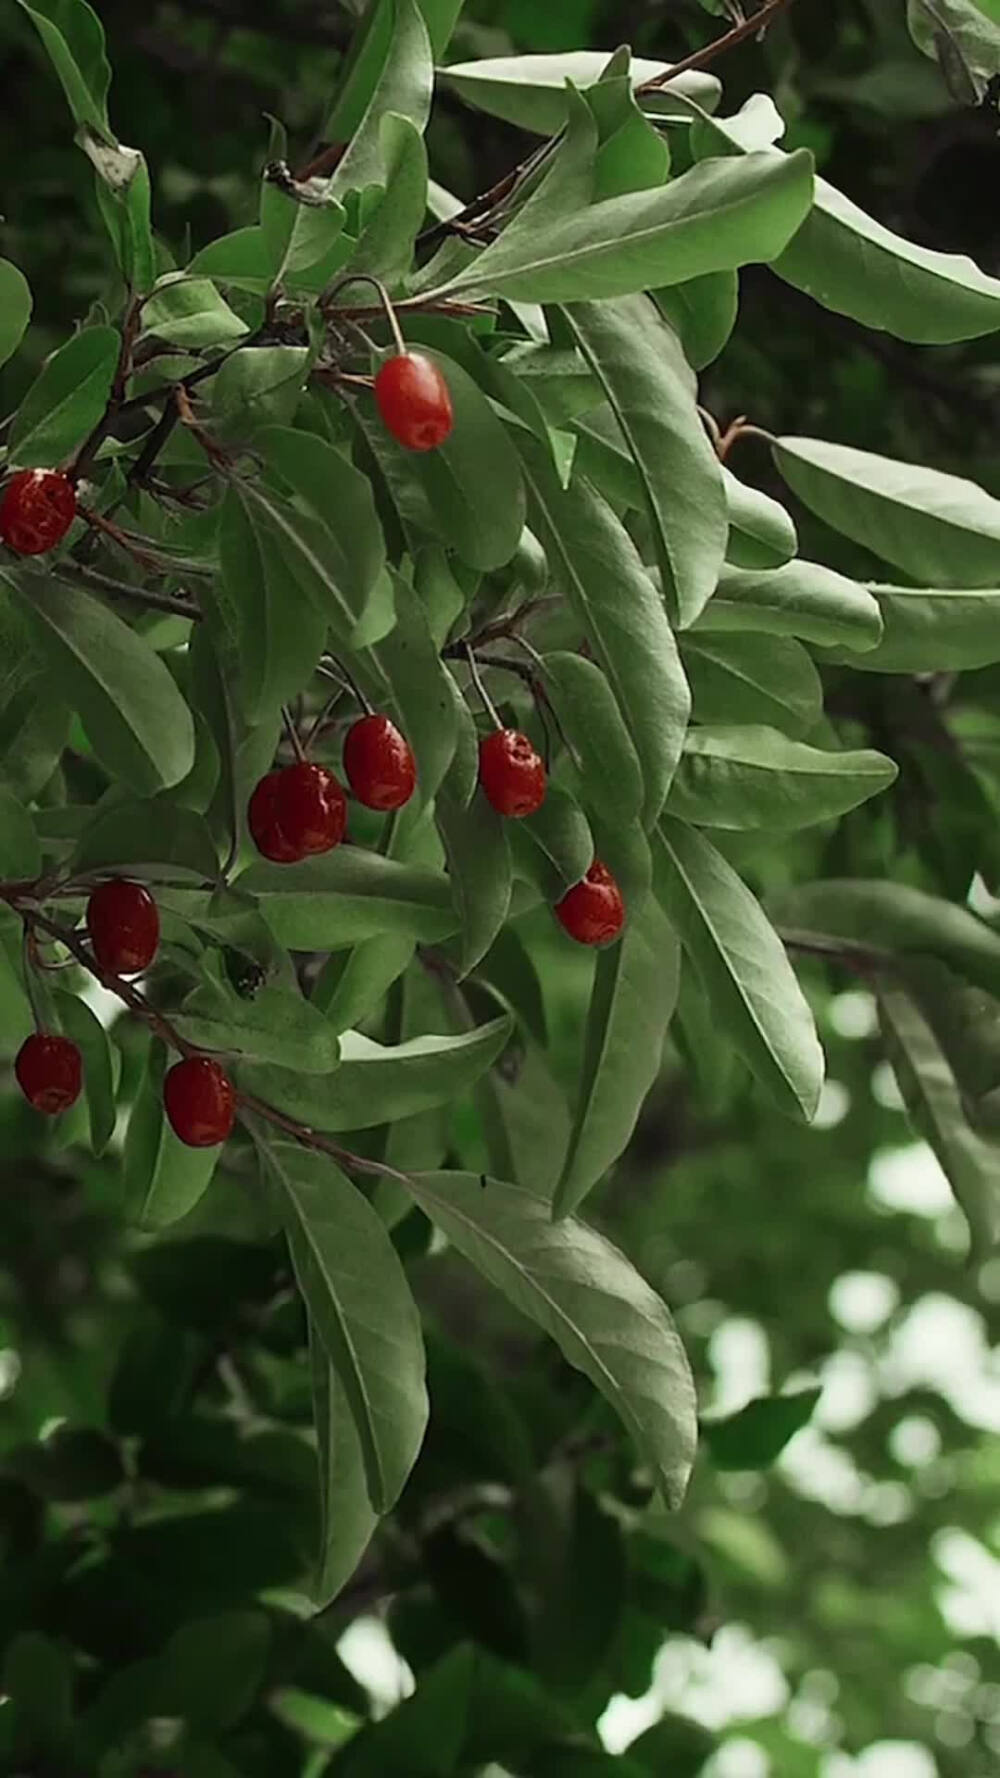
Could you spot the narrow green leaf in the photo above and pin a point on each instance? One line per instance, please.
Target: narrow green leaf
(187, 311)
(632, 1003)
(134, 715)
(20, 850)
(385, 245)
(74, 38)
(282, 633)
(345, 1264)
(91, 1039)
(146, 837)
(554, 847)
(340, 565)
(801, 599)
(970, 1161)
(595, 562)
(479, 869)
(703, 312)
(742, 966)
(66, 400)
(404, 88)
(761, 532)
(637, 359)
(347, 1519)
(592, 722)
(530, 91)
(348, 895)
(298, 237)
(932, 630)
(720, 215)
(353, 984)
(526, 1123)
(755, 1436)
(754, 778)
(15, 308)
(277, 1025)
(938, 528)
(892, 918)
(422, 688)
(748, 678)
(584, 1293)
(212, 1668)
(163, 1178)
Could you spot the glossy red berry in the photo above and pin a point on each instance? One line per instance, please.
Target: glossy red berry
(311, 808)
(124, 926)
(413, 400)
(49, 1072)
(379, 764)
(511, 773)
(265, 828)
(37, 509)
(200, 1102)
(593, 911)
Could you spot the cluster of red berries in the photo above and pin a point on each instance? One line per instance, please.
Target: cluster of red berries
(37, 509)
(123, 924)
(300, 810)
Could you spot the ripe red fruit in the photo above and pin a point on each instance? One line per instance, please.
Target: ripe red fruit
(49, 1072)
(380, 766)
(36, 511)
(511, 773)
(124, 926)
(311, 808)
(413, 400)
(265, 828)
(593, 911)
(199, 1100)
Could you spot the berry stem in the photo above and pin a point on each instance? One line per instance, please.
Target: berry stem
(291, 730)
(383, 295)
(490, 707)
(348, 679)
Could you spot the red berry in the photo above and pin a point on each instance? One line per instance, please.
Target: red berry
(124, 926)
(311, 808)
(49, 1072)
(511, 773)
(265, 829)
(593, 911)
(413, 400)
(36, 511)
(199, 1101)
(380, 767)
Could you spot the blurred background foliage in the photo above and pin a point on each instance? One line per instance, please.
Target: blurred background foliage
(836, 1613)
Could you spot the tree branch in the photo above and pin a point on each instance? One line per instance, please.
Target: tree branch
(701, 58)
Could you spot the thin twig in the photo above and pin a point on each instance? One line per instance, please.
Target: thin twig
(701, 58)
(120, 589)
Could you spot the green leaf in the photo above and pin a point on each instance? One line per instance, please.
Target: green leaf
(259, 388)
(422, 1737)
(422, 689)
(631, 1005)
(345, 1263)
(592, 723)
(185, 311)
(530, 91)
(753, 778)
(66, 400)
(598, 567)
(526, 1123)
(675, 1744)
(703, 312)
(134, 715)
(584, 1293)
(91, 1039)
(755, 1437)
(970, 1161)
(241, 259)
(348, 895)
(282, 633)
(575, 1556)
(554, 847)
(932, 630)
(211, 1670)
(299, 237)
(20, 850)
(748, 678)
(720, 215)
(377, 1083)
(74, 1463)
(15, 308)
(74, 38)
(403, 88)
(633, 156)
(637, 359)
(742, 966)
(802, 599)
(891, 918)
(347, 1519)
(940, 529)
(385, 244)
(146, 837)
(339, 557)
(124, 199)
(479, 869)
(162, 1177)
(353, 984)
(277, 1025)
(38, 1685)
(761, 532)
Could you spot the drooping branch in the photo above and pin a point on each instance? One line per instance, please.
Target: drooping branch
(702, 58)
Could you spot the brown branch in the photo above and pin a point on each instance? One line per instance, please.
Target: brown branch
(171, 603)
(701, 58)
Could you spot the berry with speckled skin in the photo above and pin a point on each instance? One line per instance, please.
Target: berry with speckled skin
(511, 773)
(37, 508)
